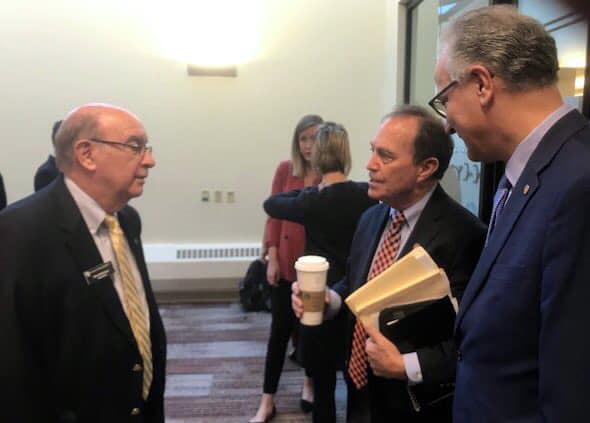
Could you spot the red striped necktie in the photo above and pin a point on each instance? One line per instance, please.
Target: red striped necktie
(384, 257)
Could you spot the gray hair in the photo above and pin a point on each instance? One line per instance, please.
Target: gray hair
(77, 125)
(514, 47)
(331, 150)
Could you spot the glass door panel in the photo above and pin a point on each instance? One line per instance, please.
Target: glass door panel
(570, 31)
(464, 175)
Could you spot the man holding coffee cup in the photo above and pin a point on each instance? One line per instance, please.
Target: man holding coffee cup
(410, 154)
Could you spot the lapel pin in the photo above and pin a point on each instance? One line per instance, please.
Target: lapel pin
(526, 188)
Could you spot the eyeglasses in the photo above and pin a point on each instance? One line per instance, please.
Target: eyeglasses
(439, 101)
(136, 148)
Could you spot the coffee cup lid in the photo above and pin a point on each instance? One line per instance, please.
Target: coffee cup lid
(312, 263)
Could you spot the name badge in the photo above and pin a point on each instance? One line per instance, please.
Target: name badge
(95, 274)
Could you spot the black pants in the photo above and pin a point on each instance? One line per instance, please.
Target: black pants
(322, 351)
(283, 323)
(324, 386)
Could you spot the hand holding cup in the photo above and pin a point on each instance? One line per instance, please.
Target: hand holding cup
(296, 303)
(312, 273)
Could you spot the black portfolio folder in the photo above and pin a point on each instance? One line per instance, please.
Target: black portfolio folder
(418, 325)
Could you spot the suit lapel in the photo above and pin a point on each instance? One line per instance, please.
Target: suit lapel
(373, 234)
(513, 209)
(423, 233)
(81, 246)
(523, 191)
(426, 227)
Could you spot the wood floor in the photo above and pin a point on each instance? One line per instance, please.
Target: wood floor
(215, 367)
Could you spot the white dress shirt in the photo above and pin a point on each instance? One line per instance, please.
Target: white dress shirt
(525, 149)
(93, 216)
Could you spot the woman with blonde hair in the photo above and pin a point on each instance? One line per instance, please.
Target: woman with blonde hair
(329, 213)
(283, 245)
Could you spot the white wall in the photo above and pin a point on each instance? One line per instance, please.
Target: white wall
(337, 58)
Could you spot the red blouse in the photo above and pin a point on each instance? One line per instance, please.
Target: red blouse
(288, 237)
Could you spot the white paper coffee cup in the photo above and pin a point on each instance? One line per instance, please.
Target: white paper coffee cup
(311, 276)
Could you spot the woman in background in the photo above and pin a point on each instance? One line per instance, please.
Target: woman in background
(283, 244)
(329, 213)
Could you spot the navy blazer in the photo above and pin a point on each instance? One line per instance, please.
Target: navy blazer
(522, 326)
(75, 357)
(453, 237)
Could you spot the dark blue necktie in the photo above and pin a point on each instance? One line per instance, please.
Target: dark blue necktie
(500, 198)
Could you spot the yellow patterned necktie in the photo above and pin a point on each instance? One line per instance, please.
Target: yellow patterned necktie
(136, 312)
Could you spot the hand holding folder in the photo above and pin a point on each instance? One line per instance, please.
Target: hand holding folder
(384, 357)
(410, 305)
(418, 325)
(409, 285)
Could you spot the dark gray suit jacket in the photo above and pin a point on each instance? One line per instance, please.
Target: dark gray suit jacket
(454, 238)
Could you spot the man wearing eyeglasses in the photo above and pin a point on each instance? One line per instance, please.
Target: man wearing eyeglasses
(522, 326)
(84, 341)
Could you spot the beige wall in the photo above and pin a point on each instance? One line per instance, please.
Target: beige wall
(337, 58)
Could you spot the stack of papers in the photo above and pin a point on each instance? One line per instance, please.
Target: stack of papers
(411, 281)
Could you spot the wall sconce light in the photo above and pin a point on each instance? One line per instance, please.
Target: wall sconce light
(227, 71)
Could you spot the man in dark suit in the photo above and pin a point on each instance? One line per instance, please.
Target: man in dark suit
(48, 171)
(85, 338)
(410, 154)
(522, 326)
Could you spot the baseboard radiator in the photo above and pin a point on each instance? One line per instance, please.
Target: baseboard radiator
(198, 272)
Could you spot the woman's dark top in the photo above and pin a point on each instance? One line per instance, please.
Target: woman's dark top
(330, 217)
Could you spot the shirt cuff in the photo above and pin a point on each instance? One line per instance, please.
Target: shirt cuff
(333, 307)
(413, 369)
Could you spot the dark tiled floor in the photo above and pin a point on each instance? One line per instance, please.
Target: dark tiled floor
(215, 365)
